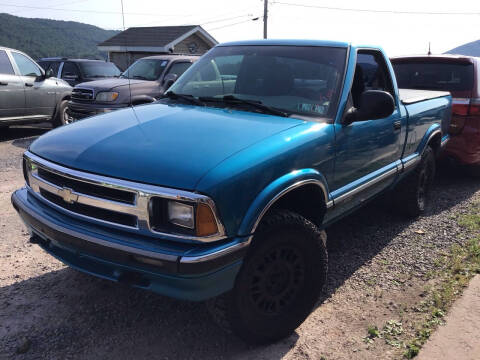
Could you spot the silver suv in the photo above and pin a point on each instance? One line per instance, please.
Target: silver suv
(27, 93)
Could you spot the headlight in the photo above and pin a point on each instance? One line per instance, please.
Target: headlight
(181, 214)
(107, 96)
(189, 218)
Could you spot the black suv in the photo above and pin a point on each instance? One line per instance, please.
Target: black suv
(76, 71)
(143, 82)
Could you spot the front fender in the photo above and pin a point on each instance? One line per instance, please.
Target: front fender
(275, 190)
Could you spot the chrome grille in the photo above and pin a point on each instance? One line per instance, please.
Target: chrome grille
(121, 203)
(82, 94)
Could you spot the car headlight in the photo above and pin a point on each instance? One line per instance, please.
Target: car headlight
(189, 218)
(107, 96)
(181, 214)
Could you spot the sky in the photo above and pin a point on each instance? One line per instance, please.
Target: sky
(399, 27)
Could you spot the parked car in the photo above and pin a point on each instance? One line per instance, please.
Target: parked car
(76, 71)
(143, 82)
(27, 93)
(461, 76)
(222, 190)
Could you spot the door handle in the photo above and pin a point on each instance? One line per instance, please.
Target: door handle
(397, 125)
(29, 84)
(3, 83)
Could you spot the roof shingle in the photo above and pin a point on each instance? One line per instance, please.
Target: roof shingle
(148, 36)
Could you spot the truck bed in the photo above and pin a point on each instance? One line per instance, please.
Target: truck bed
(411, 96)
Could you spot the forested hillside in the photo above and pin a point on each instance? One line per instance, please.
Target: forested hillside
(41, 37)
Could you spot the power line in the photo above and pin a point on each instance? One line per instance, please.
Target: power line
(57, 3)
(237, 23)
(206, 21)
(86, 11)
(225, 19)
(201, 23)
(376, 11)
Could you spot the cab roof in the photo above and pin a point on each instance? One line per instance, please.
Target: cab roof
(444, 57)
(287, 42)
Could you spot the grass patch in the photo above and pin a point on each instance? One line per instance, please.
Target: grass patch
(455, 269)
(471, 221)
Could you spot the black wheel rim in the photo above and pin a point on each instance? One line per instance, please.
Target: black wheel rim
(276, 279)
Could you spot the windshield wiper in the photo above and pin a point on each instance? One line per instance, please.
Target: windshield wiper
(190, 98)
(230, 99)
(139, 77)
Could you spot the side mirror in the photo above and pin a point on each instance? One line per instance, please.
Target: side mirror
(169, 79)
(373, 105)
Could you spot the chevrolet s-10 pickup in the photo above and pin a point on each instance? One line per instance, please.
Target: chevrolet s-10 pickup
(223, 189)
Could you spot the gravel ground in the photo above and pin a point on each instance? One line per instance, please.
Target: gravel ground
(379, 267)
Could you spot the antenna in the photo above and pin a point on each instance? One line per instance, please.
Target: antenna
(429, 51)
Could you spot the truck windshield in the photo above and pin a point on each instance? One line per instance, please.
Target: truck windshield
(304, 80)
(99, 69)
(146, 69)
(434, 76)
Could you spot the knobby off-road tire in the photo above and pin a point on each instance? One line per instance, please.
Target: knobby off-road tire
(61, 117)
(412, 193)
(279, 282)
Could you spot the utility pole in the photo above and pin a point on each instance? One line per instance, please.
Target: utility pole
(265, 18)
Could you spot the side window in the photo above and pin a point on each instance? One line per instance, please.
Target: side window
(5, 66)
(178, 68)
(50, 67)
(371, 73)
(44, 64)
(53, 68)
(26, 66)
(70, 70)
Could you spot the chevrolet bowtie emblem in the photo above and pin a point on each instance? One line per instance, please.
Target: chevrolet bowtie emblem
(67, 195)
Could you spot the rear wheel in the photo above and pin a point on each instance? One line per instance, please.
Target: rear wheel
(62, 117)
(279, 283)
(412, 194)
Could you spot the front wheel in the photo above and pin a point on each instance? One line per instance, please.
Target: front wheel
(279, 283)
(62, 117)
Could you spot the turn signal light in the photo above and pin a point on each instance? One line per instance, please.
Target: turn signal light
(205, 221)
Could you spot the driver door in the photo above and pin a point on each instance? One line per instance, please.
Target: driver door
(39, 92)
(367, 151)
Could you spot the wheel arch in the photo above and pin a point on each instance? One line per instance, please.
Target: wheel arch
(432, 138)
(64, 97)
(302, 191)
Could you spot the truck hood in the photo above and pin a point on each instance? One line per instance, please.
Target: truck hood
(166, 145)
(110, 83)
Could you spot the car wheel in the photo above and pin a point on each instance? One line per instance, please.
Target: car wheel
(62, 117)
(412, 194)
(280, 280)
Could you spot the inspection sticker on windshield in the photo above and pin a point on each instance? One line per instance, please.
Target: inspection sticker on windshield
(316, 108)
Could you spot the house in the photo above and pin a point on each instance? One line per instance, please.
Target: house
(137, 42)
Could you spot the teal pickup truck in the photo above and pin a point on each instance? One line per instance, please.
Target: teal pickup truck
(221, 190)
